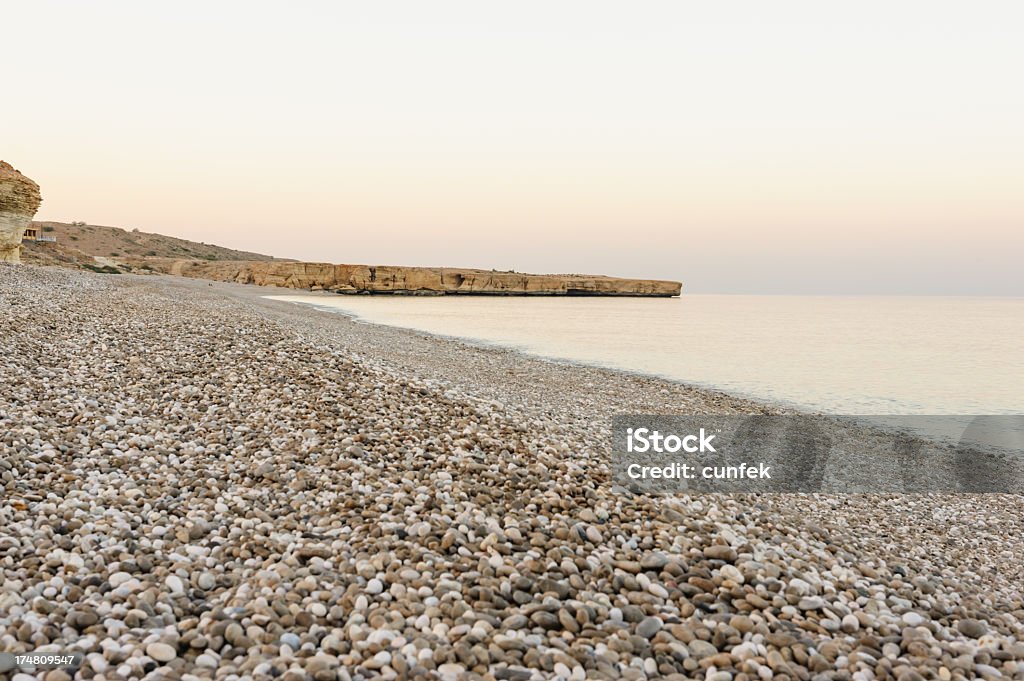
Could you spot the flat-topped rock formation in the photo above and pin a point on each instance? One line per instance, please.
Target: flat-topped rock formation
(408, 280)
(115, 250)
(19, 201)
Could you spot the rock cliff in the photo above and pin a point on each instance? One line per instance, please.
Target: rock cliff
(407, 280)
(19, 201)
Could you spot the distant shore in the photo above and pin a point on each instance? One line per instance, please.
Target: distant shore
(228, 484)
(401, 280)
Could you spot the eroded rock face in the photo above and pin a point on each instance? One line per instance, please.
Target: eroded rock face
(411, 280)
(19, 201)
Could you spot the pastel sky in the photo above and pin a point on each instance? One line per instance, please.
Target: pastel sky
(754, 147)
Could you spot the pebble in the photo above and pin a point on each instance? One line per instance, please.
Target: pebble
(450, 671)
(732, 573)
(381, 659)
(654, 561)
(161, 652)
(811, 603)
(972, 628)
(912, 619)
(118, 578)
(701, 649)
(97, 663)
(175, 584)
(720, 552)
(279, 495)
(206, 660)
(648, 627)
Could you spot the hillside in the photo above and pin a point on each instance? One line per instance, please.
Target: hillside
(114, 250)
(91, 246)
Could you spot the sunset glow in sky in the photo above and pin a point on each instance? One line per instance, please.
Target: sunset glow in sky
(739, 147)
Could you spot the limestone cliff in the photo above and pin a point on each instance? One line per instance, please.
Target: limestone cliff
(407, 280)
(19, 201)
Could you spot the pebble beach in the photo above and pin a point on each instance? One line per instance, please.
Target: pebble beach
(200, 483)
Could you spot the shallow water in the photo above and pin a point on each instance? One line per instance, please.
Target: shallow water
(841, 354)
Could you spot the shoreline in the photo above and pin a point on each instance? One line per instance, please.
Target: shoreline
(853, 374)
(237, 485)
(752, 402)
(480, 353)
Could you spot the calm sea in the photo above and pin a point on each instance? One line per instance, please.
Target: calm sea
(844, 355)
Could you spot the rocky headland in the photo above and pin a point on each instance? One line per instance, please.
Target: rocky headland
(114, 250)
(19, 201)
(407, 280)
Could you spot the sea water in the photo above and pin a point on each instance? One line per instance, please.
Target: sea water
(835, 354)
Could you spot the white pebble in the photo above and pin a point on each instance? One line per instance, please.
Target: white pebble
(175, 584)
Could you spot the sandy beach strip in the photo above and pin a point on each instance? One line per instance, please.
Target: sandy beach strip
(197, 482)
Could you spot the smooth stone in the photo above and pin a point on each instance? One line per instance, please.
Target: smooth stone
(742, 624)
(379, 660)
(720, 552)
(545, 620)
(515, 622)
(731, 572)
(648, 627)
(234, 633)
(972, 628)
(175, 584)
(560, 589)
(118, 578)
(811, 603)
(449, 671)
(206, 660)
(658, 590)
(912, 619)
(654, 561)
(701, 649)
(161, 652)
